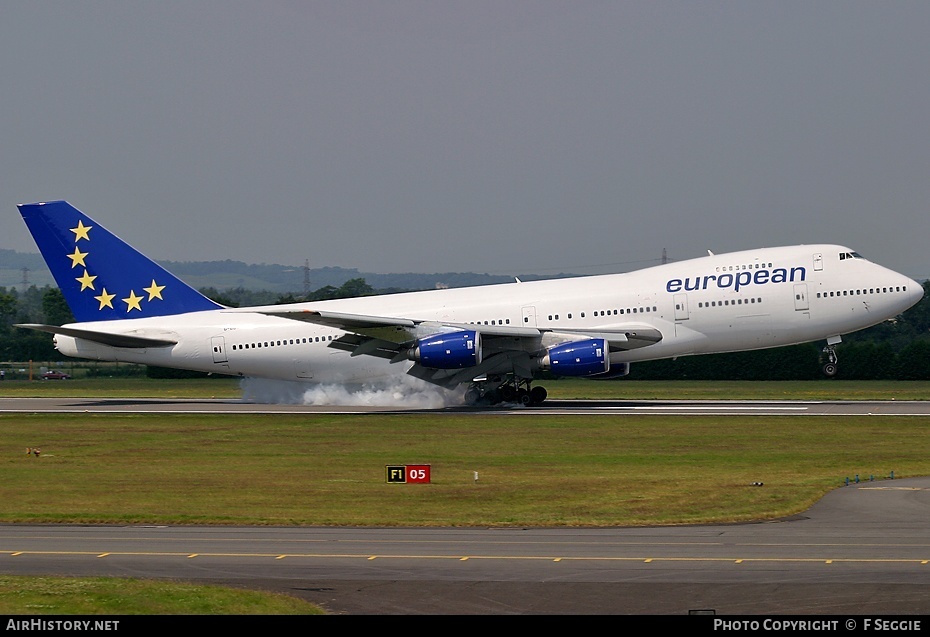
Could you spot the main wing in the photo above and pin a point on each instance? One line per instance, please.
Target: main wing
(500, 349)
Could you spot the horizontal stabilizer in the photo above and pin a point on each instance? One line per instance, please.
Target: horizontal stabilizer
(104, 338)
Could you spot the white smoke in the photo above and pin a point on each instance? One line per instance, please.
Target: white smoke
(401, 391)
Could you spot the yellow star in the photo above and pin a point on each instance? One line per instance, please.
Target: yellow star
(106, 300)
(86, 281)
(77, 258)
(132, 301)
(154, 290)
(81, 231)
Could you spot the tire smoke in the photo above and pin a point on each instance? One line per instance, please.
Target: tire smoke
(406, 392)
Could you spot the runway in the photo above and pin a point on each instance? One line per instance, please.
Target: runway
(864, 549)
(550, 407)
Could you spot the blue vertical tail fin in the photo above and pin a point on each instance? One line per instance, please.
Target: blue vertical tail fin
(101, 276)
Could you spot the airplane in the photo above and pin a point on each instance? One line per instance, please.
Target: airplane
(494, 339)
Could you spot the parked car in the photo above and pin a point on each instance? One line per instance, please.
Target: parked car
(55, 375)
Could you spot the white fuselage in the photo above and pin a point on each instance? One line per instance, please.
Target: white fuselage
(720, 303)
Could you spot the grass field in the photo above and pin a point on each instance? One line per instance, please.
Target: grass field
(66, 596)
(542, 470)
(533, 470)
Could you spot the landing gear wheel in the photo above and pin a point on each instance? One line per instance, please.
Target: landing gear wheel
(516, 391)
(829, 359)
(508, 393)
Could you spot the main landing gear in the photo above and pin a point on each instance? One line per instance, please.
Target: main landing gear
(496, 391)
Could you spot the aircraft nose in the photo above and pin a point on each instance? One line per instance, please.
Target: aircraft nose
(918, 290)
(915, 292)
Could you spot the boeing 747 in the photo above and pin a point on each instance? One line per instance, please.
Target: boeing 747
(495, 339)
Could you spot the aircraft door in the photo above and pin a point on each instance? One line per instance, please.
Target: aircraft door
(529, 316)
(818, 261)
(681, 307)
(218, 345)
(800, 297)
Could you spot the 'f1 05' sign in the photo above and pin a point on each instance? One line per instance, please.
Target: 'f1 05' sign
(403, 474)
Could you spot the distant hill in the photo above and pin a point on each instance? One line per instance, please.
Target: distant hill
(224, 275)
(11, 269)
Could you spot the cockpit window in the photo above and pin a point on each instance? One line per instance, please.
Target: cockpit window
(850, 255)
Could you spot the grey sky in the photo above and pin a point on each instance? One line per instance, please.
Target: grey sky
(503, 137)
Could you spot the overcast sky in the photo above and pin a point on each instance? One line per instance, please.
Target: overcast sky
(503, 136)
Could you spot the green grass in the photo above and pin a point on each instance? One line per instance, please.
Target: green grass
(220, 387)
(30, 596)
(318, 469)
(816, 390)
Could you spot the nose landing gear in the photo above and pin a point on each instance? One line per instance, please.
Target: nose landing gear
(828, 359)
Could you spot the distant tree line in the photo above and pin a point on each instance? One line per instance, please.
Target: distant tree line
(857, 361)
(240, 297)
(34, 305)
(895, 349)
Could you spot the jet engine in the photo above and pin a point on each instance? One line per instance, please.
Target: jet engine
(451, 350)
(577, 358)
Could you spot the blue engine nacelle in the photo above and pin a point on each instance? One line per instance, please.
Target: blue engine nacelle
(452, 350)
(578, 358)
